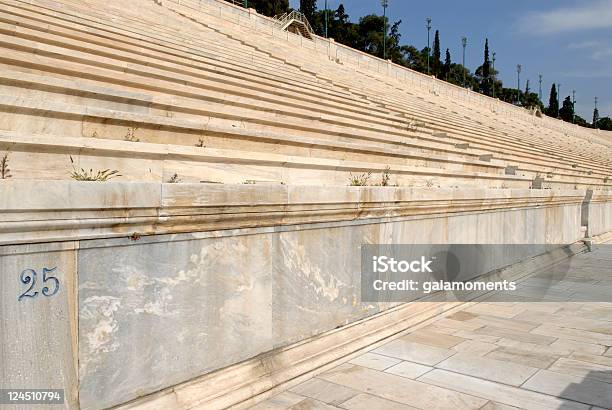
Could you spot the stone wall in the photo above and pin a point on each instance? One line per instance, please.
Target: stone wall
(173, 281)
(600, 214)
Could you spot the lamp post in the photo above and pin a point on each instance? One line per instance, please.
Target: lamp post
(518, 84)
(493, 75)
(385, 4)
(464, 44)
(326, 21)
(573, 106)
(540, 90)
(428, 26)
(558, 97)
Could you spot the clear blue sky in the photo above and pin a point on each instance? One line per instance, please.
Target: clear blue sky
(568, 42)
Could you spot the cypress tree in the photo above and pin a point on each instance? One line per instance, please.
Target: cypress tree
(485, 72)
(486, 66)
(567, 111)
(447, 65)
(553, 103)
(595, 116)
(436, 54)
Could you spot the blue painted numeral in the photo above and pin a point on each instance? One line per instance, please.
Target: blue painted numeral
(28, 277)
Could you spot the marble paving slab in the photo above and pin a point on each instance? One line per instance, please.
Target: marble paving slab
(492, 356)
(577, 388)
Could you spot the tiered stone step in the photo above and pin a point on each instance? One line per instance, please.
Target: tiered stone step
(377, 83)
(182, 77)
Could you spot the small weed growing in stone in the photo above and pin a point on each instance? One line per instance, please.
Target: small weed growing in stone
(174, 179)
(81, 174)
(386, 177)
(131, 135)
(5, 172)
(200, 143)
(359, 180)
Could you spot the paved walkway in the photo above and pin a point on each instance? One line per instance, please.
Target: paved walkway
(495, 355)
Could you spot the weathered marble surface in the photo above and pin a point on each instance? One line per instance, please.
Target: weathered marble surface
(600, 214)
(249, 269)
(157, 314)
(230, 298)
(38, 335)
(509, 371)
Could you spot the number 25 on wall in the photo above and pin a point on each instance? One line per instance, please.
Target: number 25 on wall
(50, 284)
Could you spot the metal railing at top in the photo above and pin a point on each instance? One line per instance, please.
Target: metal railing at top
(283, 19)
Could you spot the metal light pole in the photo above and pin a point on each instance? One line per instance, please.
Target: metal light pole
(558, 97)
(574, 106)
(518, 85)
(428, 26)
(540, 79)
(385, 4)
(493, 76)
(464, 44)
(326, 19)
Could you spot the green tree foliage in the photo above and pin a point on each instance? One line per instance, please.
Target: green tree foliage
(567, 110)
(595, 116)
(532, 100)
(506, 94)
(339, 27)
(456, 77)
(394, 49)
(483, 73)
(371, 34)
(605, 123)
(269, 8)
(486, 65)
(581, 121)
(309, 8)
(343, 30)
(436, 62)
(447, 66)
(367, 36)
(553, 103)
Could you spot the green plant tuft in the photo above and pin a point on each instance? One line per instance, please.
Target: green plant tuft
(5, 172)
(359, 180)
(131, 135)
(81, 174)
(174, 179)
(386, 177)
